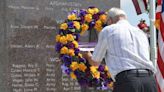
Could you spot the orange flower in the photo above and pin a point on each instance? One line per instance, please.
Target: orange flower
(64, 50)
(84, 27)
(74, 66)
(63, 40)
(98, 28)
(98, 25)
(82, 67)
(103, 18)
(88, 18)
(73, 76)
(71, 52)
(70, 37)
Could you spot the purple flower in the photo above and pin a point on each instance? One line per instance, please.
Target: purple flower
(101, 68)
(82, 12)
(66, 58)
(96, 17)
(104, 76)
(74, 12)
(102, 87)
(82, 60)
(68, 71)
(64, 68)
(82, 20)
(109, 80)
(58, 46)
(70, 45)
(70, 25)
(67, 64)
(77, 51)
(77, 73)
(95, 80)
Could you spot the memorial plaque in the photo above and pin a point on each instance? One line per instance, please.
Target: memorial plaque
(28, 61)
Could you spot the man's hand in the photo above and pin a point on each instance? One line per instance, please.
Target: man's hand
(87, 55)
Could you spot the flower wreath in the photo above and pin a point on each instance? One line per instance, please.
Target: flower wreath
(73, 64)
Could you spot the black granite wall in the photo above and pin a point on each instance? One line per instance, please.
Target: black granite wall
(28, 61)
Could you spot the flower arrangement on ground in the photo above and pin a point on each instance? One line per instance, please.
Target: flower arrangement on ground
(73, 64)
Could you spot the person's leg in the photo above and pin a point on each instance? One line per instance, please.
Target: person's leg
(149, 84)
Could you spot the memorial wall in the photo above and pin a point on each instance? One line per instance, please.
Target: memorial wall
(28, 61)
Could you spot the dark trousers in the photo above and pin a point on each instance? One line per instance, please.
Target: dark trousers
(135, 81)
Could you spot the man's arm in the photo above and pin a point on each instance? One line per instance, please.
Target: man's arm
(88, 56)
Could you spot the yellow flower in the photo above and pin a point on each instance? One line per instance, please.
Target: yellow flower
(110, 85)
(71, 52)
(91, 11)
(106, 68)
(74, 66)
(98, 25)
(64, 26)
(58, 38)
(96, 10)
(72, 17)
(77, 25)
(80, 55)
(108, 74)
(82, 67)
(98, 28)
(93, 69)
(76, 44)
(63, 40)
(73, 76)
(103, 18)
(70, 37)
(64, 50)
(84, 27)
(96, 75)
(88, 18)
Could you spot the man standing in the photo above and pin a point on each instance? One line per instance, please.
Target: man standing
(126, 52)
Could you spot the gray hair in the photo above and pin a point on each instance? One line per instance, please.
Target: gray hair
(116, 12)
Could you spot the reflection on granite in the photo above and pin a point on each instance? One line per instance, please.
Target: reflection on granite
(29, 62)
